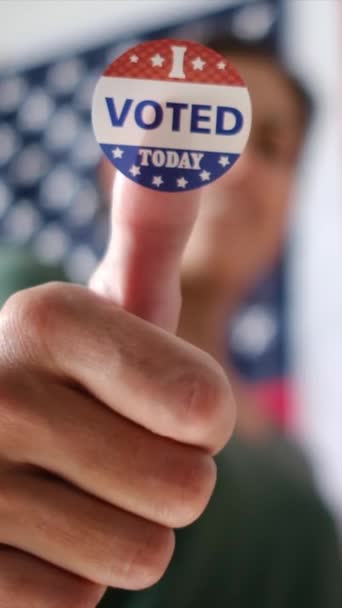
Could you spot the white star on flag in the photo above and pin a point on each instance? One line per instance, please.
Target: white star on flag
(181, 182)
(205, 176)
(157, 180)
(224, 161)
(221, 65)
(134, 58)
(117, 152)
(134, 170)
(157, 61)
(198, 63)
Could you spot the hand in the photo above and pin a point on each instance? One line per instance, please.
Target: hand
(108, 423)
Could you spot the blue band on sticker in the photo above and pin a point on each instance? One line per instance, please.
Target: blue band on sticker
(168, 170)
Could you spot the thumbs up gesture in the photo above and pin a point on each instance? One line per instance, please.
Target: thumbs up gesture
(108, 422)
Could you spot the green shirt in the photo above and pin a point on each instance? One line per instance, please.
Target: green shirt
(20, 270)
(265, 540)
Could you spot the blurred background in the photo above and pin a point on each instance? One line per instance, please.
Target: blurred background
(286, 339)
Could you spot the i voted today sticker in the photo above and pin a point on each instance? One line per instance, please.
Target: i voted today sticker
(171, 115)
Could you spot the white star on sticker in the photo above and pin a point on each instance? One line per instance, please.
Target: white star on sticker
(117, 152)
(224, 161)
(134, 58)
(157, 180)
(134, 170)
(157, 61)
(198, 63)
(221, 65)
(205, 176)
(181, 182)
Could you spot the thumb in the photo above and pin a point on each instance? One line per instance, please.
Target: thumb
(141, 268)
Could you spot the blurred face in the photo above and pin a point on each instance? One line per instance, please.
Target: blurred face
(243, 215)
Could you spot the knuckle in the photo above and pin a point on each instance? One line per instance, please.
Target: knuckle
(31, 316)
(27, 581)
(196, 482)
(150, 558)
(204, 398)
(83, 595)
(17, 592)
(33, 307)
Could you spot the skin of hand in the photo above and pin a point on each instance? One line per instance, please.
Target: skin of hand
(108, 421)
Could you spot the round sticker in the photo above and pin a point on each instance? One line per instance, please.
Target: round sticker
(171, 115)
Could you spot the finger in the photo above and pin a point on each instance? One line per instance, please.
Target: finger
(108, 456)
(121, 360)
(72, 530)
(141, 268)
(28, 581)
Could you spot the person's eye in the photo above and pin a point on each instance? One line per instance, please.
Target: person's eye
(273, 151)
(270, 150)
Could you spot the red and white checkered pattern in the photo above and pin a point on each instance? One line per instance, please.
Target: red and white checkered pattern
(143, 67)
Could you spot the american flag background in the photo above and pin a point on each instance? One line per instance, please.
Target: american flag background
(49, 199)
(290, 326)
